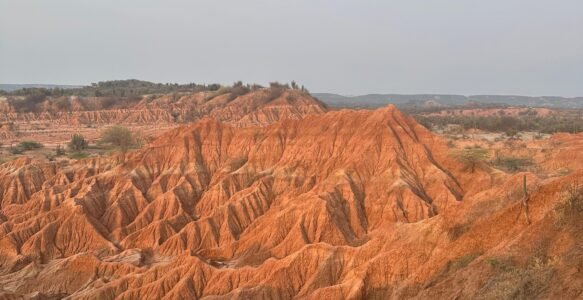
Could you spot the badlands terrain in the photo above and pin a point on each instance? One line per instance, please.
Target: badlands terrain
(54, 119)
(274, 196)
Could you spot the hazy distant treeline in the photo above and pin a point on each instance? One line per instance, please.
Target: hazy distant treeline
(572, 122)
(121, 88)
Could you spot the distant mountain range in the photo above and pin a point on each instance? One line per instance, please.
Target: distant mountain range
(376, 100)
(14, 87)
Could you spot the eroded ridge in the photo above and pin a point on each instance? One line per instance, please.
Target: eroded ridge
(346, 204)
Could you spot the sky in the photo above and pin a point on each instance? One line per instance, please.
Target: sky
(521, 47)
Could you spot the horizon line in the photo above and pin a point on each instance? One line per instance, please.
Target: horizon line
(348, 95)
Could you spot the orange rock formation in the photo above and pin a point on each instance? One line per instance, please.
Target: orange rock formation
(346, 204)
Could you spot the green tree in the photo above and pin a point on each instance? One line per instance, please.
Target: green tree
(471, 157)
(119, 137)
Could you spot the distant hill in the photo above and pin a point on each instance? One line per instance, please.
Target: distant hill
(122, 88)
(14, 87)
(377, 100)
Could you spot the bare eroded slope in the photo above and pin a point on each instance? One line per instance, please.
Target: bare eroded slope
(346, 204)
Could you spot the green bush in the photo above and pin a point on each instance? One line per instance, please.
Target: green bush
(78, 155)
(493, 262)
(16, 150)
(119, 137)
(77, 143)
(29, 145)
(513, 164)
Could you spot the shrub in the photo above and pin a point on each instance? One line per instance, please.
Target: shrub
(291, 98)
(493, 262)
(119, 137)
(512, 134)
(275, 91)
(29, 103)
(238, 90)
(29, 145)
(564, 123)
(107, 102)
(517, 282)
(62, 104)
(77, 143)
(513, 164)
(462, 261)
(78, 155)
(574, 199)
(572, 206)
(471, 157)
(456, 231)
(255, 87)
(221, 91)
(59, 151)
(465, 260)
(16, 150)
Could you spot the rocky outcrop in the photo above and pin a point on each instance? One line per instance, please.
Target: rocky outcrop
(259, 107)
(346, 204)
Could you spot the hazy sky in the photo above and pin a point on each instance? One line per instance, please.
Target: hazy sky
(529, 47)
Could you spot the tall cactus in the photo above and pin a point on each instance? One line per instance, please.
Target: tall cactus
(525, 199)
(524, 192)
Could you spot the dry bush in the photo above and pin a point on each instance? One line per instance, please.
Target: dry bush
(62, 103)
(571, 208)
(27, 104)
(457, 230)
(512, 282)
(513, 194)
(107, 102)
